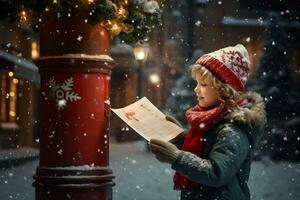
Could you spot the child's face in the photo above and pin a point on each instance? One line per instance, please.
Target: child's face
(207, 95)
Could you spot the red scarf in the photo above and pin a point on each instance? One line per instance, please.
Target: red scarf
(200, 121)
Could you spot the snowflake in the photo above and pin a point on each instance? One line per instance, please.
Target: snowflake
(63, 93)
(167, 171)
(79, 38)
(60, 152)
(198, 23)
(260, 20)
(264, 73)
(201, 125)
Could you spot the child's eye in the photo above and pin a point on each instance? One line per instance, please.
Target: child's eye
(203, 84)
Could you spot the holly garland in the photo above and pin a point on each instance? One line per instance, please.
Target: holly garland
(143, 17)
(131, 20)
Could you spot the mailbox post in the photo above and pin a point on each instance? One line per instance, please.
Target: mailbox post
(75, 68)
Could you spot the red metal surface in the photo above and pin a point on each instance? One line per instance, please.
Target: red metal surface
(78, 133)
(75, 135)
(73, 183)
(75, 70)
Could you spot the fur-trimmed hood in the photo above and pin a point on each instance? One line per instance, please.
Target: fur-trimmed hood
(252, 116)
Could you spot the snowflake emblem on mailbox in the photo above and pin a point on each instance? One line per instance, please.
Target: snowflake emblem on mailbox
(63, 93)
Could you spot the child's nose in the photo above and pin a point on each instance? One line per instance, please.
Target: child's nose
(196, 89)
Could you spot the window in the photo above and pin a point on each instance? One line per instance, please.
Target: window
(8, 100)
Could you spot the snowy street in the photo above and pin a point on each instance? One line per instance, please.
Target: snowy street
(140, 176)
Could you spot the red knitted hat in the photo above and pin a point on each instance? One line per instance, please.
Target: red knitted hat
(230, 64)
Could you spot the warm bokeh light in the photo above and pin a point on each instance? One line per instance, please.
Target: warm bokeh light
(122, 13)
(15, 81)
(141, 52)
(154, 78)
(23, 16)
(34, 50)
(10, 74)
(12, 94)
(115, 28)
(140, 55)
(12, 113)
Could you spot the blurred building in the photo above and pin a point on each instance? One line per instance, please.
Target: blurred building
(19, 81)
(125, 83)
(123, 89)
(187, 26)
(217, 24)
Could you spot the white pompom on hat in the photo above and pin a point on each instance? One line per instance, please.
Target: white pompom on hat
(230, 64)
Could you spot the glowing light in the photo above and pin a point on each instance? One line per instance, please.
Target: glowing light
(15, 81)
(10, 74)
(140, 55)
(122, 12)
(141, 52)
(115, 28)
(12, 94)
(34, 50)
(90, 1)
(154, 78)
(23, 16)
(12, 113)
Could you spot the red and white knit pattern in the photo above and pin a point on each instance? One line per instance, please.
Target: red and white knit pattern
(230, 64)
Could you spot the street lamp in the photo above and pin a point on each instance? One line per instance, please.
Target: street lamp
(140, 53)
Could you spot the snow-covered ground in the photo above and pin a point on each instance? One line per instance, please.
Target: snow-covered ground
(140, 176)
(275, 180)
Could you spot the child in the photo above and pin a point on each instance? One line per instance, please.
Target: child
(225, 125)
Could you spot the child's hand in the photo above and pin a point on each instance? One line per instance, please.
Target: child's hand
(164, 151)
(172, 119)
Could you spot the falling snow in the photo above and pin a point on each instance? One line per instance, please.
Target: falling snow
(201, 125)
(198, 23)
(138, 174)
(60, 152)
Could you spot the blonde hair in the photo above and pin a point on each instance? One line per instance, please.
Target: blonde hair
(227, 94)
(229, 97)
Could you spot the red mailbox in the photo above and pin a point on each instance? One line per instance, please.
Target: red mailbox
(74, 112)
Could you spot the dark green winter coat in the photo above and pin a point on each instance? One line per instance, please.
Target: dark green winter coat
(223, 170)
